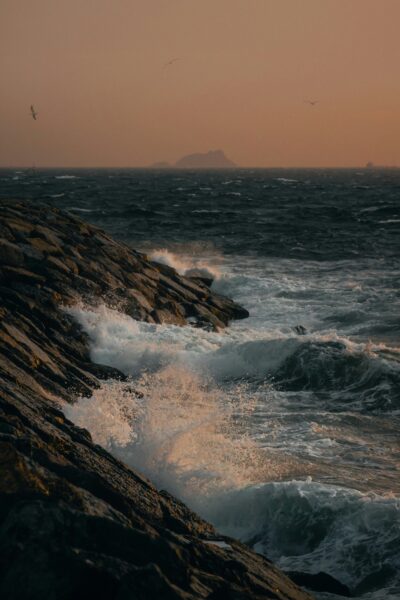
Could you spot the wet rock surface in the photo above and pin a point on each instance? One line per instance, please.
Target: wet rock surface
(74, 521)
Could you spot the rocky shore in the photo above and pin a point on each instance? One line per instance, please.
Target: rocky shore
(74, 521)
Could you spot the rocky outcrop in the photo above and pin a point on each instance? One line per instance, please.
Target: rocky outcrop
(214, 159)
(49, 259)
(74, 521)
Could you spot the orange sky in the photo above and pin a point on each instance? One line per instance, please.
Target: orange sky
(94, 71)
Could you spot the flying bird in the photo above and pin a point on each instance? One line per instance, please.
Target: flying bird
(311, 102)
(33, 112)
(170, 62)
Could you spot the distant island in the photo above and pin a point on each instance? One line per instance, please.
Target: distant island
(214, 159)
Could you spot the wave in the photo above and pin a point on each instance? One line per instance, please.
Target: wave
(361, 376)
(311, 527)
(339, 373)
(83, 210)
(354, 374)
(286, 180)
(189, 418)
(185, 265)
(185, 435)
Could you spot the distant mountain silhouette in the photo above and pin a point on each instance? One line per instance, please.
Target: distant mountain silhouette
(214, 159)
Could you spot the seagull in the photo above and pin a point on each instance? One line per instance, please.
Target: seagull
(33, 112)
(311, 102)
(170, 62)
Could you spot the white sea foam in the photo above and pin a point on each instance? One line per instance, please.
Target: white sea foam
(186, 265)
(236, 353)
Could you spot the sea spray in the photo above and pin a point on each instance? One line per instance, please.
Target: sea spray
(188, 265)
(178, 429)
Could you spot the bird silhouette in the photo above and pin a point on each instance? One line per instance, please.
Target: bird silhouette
(170, 62)
(33, 113)
(311, 102)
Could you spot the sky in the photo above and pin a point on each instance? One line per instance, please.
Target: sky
(94, 70)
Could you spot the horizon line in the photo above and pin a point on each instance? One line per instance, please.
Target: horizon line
(368, 167)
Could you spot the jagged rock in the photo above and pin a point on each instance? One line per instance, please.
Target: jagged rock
(74, 521)
(10, 254)
(321, 582)
(300, 330)
(202, 280)
(214, 159)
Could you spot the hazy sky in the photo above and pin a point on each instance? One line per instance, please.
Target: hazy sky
(94, 71)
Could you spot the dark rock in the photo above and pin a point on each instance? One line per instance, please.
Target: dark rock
(214, 159)
(300, 330)
(18, 274)
(10, 254)
(320, 582)
(200, 279)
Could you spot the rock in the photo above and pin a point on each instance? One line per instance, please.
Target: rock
(10, 254)
(320, 582)
(75, 522)
(300, 330)
(161, 315)
(43, 246)
(214, 159)
(15, 274)
(207, 281)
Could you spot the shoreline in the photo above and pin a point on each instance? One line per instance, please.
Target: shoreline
(72, 514)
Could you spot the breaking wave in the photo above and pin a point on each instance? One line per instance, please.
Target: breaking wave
(309, 527)
(186, 265)
(194, 417)
(179, 430)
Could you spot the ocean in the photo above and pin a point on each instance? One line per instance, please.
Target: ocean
(282, 430)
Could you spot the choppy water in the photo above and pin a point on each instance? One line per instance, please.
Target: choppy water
(290, 442)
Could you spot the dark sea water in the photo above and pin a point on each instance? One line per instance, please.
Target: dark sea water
(290, 442)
